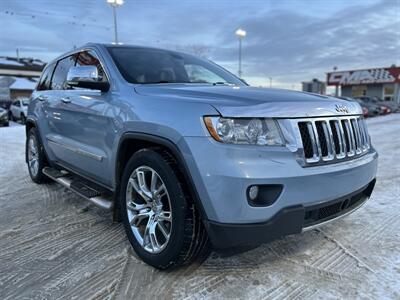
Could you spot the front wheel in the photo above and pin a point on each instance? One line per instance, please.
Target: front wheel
(161, 221)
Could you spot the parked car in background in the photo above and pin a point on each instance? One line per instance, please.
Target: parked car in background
(366, 110)
(373, 109)
(383, 109)
(19, 110)
(3, 117)
(392, 105)
(5, 104)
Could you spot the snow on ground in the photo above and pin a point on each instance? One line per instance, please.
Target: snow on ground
(55, 245)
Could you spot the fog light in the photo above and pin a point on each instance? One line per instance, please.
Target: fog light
(253, 192)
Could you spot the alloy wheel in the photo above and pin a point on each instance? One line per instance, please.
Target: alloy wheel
(33, 156)
(149, 210)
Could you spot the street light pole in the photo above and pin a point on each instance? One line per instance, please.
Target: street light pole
(270, 82)
(240, 34)
(240, 58)
(115, 4)
(115, 25)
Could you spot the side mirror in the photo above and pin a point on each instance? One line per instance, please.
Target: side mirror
(86, 77)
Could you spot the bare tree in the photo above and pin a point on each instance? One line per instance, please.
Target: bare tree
(195, 49)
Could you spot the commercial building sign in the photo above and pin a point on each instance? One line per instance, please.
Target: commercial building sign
(369, 76)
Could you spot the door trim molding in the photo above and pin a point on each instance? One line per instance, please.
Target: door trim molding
(76, 150)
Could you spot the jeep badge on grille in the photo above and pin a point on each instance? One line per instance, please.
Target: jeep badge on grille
(342, 108)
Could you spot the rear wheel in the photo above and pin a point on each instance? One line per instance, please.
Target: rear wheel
(161, 221)
(23, 119)
(36, 157)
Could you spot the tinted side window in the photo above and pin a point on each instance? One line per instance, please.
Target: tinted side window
(89, 58)
(16, 103)
(44, 83)
(59, 80)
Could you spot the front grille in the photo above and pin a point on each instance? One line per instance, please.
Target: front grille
(331, 139)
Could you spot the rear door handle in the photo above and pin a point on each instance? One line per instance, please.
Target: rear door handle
(66, 100)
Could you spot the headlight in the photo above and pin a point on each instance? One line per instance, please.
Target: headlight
(244, 131)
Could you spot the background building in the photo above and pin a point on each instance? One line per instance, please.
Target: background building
(383, 83)
(22, 87)
(18, 78)
(314, 86)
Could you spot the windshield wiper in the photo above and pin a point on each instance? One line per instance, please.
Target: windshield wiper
(166, 81)
(221, 83)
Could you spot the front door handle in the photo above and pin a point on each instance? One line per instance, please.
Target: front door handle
(66, 100)
(42, 98)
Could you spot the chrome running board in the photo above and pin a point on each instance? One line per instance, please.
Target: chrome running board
(87, 192)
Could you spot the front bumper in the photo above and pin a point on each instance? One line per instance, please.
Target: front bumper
(222, 175)
(4, 119)
(290, 220)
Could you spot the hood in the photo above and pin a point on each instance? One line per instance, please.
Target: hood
(245, 101)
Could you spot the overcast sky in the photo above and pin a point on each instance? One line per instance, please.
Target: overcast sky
(288, 40)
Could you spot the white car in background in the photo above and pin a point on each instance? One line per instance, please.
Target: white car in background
(19, 110)
(3, 117)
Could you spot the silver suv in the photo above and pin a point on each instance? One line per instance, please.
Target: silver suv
(189, 156)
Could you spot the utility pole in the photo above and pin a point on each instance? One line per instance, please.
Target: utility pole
(337, 85)
(270, 81)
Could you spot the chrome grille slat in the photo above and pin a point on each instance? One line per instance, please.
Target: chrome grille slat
(357, 135)
(333, 139)
(314, 141)
(314, 128)
(366, 134)
(350, 135)
(362, 143)
(342, 141)
(329, 141)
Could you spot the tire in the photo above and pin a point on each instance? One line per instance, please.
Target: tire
(36, 162)
(23, 119)
(10, 116)
(188, 239)
(6, 124)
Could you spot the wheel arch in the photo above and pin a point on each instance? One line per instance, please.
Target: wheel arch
(132, 142)
(30, 123)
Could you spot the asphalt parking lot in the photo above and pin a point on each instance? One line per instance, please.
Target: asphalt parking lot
(55, 245)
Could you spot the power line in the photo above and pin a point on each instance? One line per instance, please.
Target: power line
(37, 16)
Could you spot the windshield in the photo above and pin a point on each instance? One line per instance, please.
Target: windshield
(25, 102)
(147, 66)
